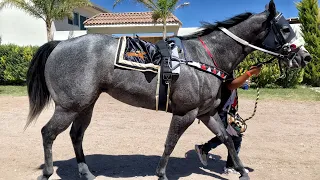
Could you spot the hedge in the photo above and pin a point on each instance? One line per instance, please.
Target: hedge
(270, 73)
(14, 61)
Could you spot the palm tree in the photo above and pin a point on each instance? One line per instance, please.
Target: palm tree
(47, 10)
(161, 9)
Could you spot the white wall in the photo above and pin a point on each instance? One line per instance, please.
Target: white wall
(19, 28)
(63, 35)
(297, 29)
(187, 31)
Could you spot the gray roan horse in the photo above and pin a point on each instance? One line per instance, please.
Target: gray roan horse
(75, 72)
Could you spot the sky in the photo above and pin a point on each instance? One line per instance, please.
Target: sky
(208, 10)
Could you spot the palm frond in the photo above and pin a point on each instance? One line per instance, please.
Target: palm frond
(172, 5)
(150, 4)
(156, 15)
(62, 8)
(116, 3)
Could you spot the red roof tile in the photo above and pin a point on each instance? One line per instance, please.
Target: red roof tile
(126, 18)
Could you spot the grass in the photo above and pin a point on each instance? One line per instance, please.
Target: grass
(299, 94)
(13, 90)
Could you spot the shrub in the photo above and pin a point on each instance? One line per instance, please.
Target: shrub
(14, 61)
(309, 18)
(270, 73)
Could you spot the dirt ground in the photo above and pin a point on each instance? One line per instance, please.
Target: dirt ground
(123, 142)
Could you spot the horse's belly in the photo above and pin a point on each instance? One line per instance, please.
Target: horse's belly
(134, 88)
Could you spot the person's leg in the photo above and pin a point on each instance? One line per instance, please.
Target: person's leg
(202, 150)
(211, 144)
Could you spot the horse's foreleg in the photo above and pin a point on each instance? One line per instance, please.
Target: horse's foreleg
(59, 122)
(78, 128)
(216, 126)
(177, 127)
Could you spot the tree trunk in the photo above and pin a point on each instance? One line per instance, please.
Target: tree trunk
(164, 29)
(49, 33)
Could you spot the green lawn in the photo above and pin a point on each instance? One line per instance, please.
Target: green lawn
(300, 93)
(13, 90)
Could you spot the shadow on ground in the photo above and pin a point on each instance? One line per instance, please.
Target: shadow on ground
(125, 166)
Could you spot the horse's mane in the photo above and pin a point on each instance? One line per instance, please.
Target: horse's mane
(208, 27)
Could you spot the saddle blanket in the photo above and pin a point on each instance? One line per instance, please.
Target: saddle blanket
(137, 54)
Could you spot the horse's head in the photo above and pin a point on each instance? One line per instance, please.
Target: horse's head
(226, 43)
(278, 36)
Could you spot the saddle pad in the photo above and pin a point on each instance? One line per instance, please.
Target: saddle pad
(122, 60)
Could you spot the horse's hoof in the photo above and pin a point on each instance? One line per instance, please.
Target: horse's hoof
(245, 177)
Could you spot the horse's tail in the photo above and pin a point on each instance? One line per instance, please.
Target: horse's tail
(38, 92)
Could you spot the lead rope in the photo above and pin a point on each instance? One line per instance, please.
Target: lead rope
(255, 106)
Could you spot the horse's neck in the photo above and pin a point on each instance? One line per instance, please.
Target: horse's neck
(226, 52)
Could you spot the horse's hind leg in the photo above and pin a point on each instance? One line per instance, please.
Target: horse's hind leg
(78, 128)
(177, 127)
(59, 122)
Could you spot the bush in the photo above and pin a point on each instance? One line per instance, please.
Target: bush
(270, 73)
(14, 62)
(308, 12)
(292, 79)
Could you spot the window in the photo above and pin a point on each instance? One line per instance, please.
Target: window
(76, 19)
(82, 19)
(70, 21)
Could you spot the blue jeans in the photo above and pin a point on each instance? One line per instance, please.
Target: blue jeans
(215, 142)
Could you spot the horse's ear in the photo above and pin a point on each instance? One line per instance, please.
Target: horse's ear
(272, 8)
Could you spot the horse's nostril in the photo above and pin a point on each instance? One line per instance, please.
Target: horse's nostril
(308, 58)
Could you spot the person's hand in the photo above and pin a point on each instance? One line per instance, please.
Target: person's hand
(254, 70)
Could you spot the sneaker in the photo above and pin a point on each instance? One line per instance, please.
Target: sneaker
(233, 171)
(203, 156)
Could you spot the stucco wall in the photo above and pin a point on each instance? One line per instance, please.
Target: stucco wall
(19, 28)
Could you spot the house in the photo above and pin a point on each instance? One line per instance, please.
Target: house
(19, 28)
(132, 23)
